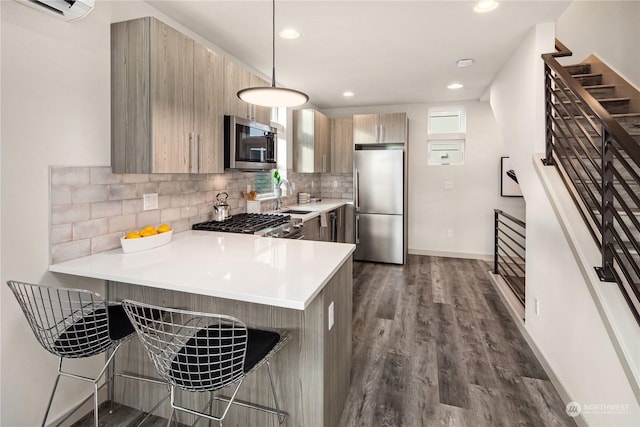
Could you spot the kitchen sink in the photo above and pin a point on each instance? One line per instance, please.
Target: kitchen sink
(296, 212)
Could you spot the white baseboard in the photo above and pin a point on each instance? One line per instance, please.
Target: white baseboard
(445, 254)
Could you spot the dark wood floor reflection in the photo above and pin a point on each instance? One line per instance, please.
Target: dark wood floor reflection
(435, 346)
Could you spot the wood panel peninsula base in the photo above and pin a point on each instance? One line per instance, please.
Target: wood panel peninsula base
(265, 282)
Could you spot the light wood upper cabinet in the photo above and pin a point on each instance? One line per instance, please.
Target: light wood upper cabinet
(388, 128)
(342, 145)
(237, 78)
(311, 141)
(164, 114)
(208, 106)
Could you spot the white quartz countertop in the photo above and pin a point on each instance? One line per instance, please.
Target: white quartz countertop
(315, 208)
(278, 272)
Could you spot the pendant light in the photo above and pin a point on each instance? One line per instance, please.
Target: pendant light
(273, 96)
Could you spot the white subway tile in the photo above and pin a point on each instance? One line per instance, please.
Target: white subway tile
(122, 223)
(132, 206)
(170, 215)
(135, 178)
(105, 243)
(122, 192)
(148, 218)
(60, 195)
(70, 176)
(106, 209)
(103, 176)
(88, 229)
(61, 233)
(69, 214)
(70, 250)
(89, 193)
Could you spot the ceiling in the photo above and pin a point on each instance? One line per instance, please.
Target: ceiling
(386, 52)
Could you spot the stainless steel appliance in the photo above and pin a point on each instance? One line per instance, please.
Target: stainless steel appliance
(267, 225)
(249, 145)
(221, 210)
(380, 204)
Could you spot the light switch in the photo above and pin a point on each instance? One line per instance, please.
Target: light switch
(448, 185)
(149, 201)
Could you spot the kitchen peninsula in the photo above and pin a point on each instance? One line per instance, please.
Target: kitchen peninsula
(266, 282)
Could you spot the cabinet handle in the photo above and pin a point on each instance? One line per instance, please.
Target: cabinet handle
(192, 152)
(200, 153)
(357, 229)
(381, 133)
(377, 133)
(324, 163)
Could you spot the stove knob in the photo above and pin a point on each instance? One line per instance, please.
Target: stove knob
(287, 230)
(275, 235)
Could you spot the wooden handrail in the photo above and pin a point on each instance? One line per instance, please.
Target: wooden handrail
(610, 124)
(561, 50)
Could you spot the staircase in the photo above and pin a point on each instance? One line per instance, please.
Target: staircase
(593, 138)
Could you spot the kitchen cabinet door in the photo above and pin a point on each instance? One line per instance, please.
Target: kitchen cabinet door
(171, 98)
(165, 104)
(387, 128)
(342, 145)
(393, 128)
(207, 148)
(235, 78)
(311, 141)
(365, 128)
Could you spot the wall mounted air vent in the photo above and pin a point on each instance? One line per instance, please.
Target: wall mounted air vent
(68, 10)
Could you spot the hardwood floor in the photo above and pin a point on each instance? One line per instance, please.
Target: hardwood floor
(435, 346)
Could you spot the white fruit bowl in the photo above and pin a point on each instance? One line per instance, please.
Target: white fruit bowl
(144, 243)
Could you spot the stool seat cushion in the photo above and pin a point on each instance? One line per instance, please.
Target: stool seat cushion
(211, 358)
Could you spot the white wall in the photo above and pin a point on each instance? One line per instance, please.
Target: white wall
(608, 29)
(467, 210)
(55, 79)
(568, 329)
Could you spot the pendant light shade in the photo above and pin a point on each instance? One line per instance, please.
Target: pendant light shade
(273, 96)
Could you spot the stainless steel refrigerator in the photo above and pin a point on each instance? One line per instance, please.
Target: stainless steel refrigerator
(380, 194)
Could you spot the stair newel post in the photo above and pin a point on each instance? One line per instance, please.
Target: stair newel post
(605, 272)
(548, 96)
(495, 240)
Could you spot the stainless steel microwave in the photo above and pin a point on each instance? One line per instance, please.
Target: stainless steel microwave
(249, 145)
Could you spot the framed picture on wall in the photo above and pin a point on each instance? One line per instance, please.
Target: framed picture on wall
(509, 186)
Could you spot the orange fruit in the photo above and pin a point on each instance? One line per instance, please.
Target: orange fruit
(133, 235)
(163, 228)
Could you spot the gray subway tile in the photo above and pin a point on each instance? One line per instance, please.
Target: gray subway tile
(70, 176)
(70, 214)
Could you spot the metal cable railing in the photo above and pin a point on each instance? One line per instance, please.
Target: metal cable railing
(600, 164)
(509, 251)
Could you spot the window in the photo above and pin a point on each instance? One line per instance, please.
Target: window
(446, 136)
(263, 181)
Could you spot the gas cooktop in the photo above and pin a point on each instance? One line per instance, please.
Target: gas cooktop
(246, 223)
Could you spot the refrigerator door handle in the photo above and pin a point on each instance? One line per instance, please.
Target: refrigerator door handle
(357, 189)
(357, 229)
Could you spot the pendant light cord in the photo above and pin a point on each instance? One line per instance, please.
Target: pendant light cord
(273, 44)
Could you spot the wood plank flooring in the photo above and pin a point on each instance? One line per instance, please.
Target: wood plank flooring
(433, 345)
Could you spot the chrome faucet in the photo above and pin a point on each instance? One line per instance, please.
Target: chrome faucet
(279, 199)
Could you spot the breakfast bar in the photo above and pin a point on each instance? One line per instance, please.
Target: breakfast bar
(301, 286)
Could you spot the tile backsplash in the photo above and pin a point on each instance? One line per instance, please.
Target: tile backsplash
(91, 207)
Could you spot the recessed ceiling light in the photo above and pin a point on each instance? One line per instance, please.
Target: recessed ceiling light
(464, 63)
(485, 6)
(348, 94)
(455, 86)
(289, 33)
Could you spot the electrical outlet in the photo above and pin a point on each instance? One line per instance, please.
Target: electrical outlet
(293, 186)
(448, 185)
(149, 201)
(449, 233)
(536, 306)
(335, 184)
(330, 315)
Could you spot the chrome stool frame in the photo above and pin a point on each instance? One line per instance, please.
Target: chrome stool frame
(72, 324)
(202, 352)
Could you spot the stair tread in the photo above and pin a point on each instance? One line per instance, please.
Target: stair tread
(602, 100)
(607, 86)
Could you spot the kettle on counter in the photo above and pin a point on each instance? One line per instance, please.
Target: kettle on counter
(221, 210)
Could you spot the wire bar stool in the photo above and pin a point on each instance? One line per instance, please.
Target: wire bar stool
(205, 352)
(76, 323)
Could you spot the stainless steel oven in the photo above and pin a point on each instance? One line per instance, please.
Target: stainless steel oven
(249, 145)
